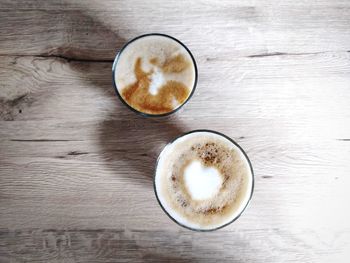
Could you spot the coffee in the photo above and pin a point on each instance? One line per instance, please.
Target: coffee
(203, 180)
(154, 74)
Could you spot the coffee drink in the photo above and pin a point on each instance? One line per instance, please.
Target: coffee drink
(203, 180)
(155, 74)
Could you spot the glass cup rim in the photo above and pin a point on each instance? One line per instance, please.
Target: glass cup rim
(115, 62)
(251, 190)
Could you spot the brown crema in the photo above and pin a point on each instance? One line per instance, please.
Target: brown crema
(209, 154)
(137, 94)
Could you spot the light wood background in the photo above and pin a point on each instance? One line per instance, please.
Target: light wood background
(76, 165)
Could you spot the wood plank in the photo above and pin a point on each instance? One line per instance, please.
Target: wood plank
(253, 87)
(86, 30)
(180, 246)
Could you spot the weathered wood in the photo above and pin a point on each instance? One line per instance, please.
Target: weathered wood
(105, 245)
(90, 30)
(76, 165)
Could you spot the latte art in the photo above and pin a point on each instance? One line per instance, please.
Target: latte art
(154, 74)
(203, 180)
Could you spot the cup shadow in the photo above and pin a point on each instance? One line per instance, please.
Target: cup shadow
(131, 145)
(128, 143)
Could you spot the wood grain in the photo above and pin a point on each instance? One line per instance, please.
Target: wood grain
(76, 165)
(86, 30)
(105, 245)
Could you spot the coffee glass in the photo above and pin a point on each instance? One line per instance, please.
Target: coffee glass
(154, 75)
(191, 201)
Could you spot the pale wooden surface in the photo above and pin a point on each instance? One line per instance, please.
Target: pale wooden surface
(76, 165)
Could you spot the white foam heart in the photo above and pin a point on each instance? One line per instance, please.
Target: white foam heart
(202, 182)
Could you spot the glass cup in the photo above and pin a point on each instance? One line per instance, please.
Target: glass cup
(142, 37)
(164, 204)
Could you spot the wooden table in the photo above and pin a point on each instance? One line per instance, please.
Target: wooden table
(76, 165)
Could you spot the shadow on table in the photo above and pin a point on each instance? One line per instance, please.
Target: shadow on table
(129, 143)
(132, 144)
(78, 35)
(80, 38)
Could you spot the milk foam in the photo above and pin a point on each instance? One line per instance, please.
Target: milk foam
(202, 182)
(157, 80)
(200, 191)
(148, 48)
